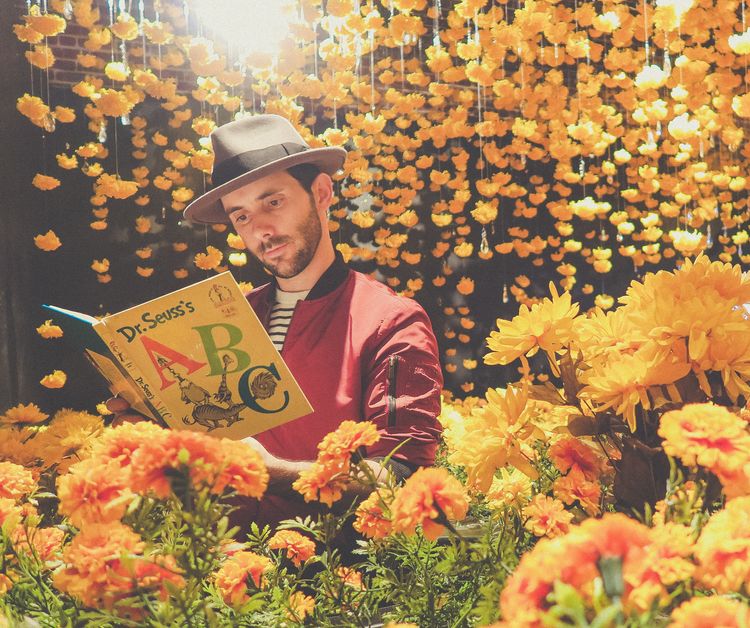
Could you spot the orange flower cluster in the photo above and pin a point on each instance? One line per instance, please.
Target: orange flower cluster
(371, 519)
(574, 559)
(712, 437)
(298, 547)
(430, 497)
(138, 458)
(16, 482)
(105, 563)
(328, 476)
(232, 578)
(701, 612)
(584, 468)
(300, 606)
(723, 549)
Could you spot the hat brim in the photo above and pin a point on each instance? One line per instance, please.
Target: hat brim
(208, 208)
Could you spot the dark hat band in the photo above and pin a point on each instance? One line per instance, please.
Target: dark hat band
(251, 160)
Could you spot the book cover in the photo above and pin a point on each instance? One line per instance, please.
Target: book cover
(79, 334)
(203, 361)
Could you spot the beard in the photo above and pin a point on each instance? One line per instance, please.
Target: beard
(306, 239)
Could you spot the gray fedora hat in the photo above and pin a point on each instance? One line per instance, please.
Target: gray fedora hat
(250, 148)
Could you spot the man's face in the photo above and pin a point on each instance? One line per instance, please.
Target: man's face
(278, 221)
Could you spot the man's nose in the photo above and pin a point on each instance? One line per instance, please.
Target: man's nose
(263, 228)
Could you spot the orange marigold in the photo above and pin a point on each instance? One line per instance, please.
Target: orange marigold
(429, 497)
(300, 606)
(546, 516)
(347, 438)
(44, 543)
(351, 578)
(323, 482)
(723, 548)
(570, 453)
(299, 548)
(577, 487)
(10, 513)
(15, 481)
(231, 579)
(713, 437)
(94, 490)
(104, 563)
(371, 520)
(152, 462)
(121, 442)
(573, 559)
(242, 469)
(701, 612)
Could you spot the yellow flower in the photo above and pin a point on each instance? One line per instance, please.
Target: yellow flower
(56, 379)
(465, 249)
(41, 57)
(44, 182)
(33, 108)
(117, 71)
(210, 259)
(484, 213)
(142, 224)
(48, 241)
(48, 330)
(48, 24)
(492, 436)
(125, 27)
(547, 326)
(622, 381)
(67, 162)
(651, 77)
(740, 44)
(113, 103)
(28, 413)
(510, 488)
(546, 517)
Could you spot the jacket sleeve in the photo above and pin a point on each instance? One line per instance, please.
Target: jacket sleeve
(402, 381)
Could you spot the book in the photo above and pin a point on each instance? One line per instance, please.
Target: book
(197, 358)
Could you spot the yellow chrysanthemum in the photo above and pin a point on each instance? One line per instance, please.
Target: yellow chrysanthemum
(547, 326)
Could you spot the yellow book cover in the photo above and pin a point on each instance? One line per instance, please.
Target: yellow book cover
(203, 361)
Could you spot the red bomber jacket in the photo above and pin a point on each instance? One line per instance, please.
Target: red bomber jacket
(361, 352)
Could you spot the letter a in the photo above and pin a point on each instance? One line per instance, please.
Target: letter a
(155, 348)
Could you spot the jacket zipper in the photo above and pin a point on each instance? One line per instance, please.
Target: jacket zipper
(392, 372)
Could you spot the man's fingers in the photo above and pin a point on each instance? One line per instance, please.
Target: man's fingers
(117, 404)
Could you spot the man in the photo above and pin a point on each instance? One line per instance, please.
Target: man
(357, 349)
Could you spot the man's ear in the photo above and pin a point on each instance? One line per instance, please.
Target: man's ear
(322, 191)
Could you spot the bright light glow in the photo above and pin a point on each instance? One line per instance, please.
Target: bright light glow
(250, 25)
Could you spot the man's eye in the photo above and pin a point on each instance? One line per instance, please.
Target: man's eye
(275, 202)
(239, 218)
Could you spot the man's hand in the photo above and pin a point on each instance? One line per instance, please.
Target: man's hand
(281, 473)
(123, 412)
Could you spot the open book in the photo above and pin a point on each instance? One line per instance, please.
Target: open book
(197, 358)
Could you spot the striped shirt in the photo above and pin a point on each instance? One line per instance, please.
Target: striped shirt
(281, 315)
